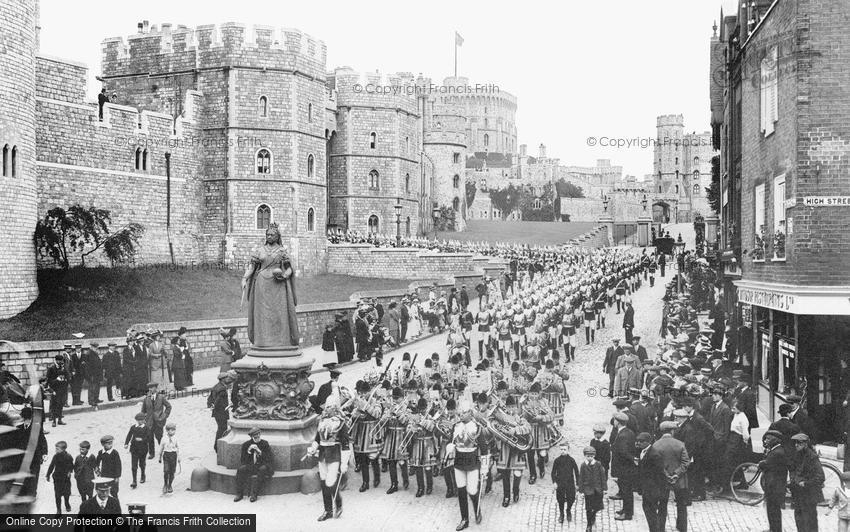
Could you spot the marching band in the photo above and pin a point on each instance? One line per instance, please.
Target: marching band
(458, 420)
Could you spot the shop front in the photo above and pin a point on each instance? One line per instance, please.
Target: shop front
(797, 337)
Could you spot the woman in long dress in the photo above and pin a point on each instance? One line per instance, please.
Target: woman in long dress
(178, 367)
(269, 286)
(414, 326)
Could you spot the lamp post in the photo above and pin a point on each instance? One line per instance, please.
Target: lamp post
(435, 215)
(605, 203)
(397, 208)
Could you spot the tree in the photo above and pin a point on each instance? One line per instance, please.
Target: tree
(471, 188)
(506, 200)
(713, 192)
(84, 230)
(546, 210)
(566, 189)
(446, 221)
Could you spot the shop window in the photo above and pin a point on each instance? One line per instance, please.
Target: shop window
(787, 374)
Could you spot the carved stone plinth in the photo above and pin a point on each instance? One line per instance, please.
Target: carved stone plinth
(273, 389)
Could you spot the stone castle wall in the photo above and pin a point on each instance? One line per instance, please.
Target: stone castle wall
(363, 260)
(18, 192)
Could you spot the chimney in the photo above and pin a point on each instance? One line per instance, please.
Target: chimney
(146, 25)
(542, 151)
(141, 26)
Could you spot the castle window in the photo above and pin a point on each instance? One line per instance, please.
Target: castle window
(485, 110)
(696, 162)
(677, 189)
(309, 113)
(145, 159)
(264, 216)
(677, 160)
(483, 184)
(696, 174)
(407, 226)
(310, 165)
(486, 123)
(138, 155)
(373, 179)
(455, 158)
(311, 219)
(372, 224)
(264, 161)
(14, 161)
(456, 181)
(5, 160)
(407, 144)
(373, 138)
(486, 140)
(456, 204)
(696, 189)
(406, 183)
(264, 107)
(537, 205)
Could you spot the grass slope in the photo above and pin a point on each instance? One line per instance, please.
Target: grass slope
(104, 301)
(534, 233)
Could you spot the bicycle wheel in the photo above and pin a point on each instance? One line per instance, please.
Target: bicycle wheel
(746, 484)
(832, 481)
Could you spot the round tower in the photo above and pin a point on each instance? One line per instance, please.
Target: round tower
(17, 155)
(445, 145)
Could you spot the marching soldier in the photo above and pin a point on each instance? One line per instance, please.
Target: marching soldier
(423, 455)
(512, 458)
(365, 440)
(468, 443)
(331, 440)
(395, 420)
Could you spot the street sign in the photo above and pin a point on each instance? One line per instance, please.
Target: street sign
(826, 201)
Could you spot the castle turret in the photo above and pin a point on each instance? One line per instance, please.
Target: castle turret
(18, 33)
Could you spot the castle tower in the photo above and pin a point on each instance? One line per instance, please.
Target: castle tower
(445, 144)
(19, 214)
(375, 156)
(668, 162)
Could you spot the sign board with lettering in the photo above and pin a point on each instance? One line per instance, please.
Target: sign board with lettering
(767, 299)
(790, 202)
(826, 201)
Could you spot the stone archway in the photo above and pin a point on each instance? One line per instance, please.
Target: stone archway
(661, 212)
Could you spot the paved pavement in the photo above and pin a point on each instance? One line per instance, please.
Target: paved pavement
(374, 510)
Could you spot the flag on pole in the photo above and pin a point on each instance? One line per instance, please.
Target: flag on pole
(458, 39)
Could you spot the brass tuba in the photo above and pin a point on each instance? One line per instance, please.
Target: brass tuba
(502, 429)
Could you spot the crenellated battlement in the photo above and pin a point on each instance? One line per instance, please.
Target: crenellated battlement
(375, 89)
(670, 120)
(158, 49)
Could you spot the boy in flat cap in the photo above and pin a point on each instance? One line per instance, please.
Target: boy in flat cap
(61, 468)
(109, 462)
(85, 465)
(138, 440)
(592, 483)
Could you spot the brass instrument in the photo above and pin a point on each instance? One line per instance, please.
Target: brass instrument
(505, 431)
(413, 429)
(396, 410)
(553, 433)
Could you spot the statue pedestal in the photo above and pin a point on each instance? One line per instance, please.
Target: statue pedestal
(273, 389)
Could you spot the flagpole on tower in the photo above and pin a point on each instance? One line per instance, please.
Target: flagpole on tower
(458, 43)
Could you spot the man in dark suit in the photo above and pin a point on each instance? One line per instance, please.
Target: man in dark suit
(806, 483)
(653, 483)
(58, 378)
(623, 466)
(696, 433)
(157, 409)
(93, 364)
(774, 469)
(800, 418)
(609, 365)
(256, 465)
(218, 402)
(720, 369)
(326, 389)
(675, 461)
(464, 297)
(640, 351)
(77, 376)
(720, 418)
(111, 369)
(746, 397)
(644, 413)
(786, 428)
(103, 503)
(629, 321)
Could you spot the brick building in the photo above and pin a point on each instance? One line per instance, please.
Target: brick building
(785, 122)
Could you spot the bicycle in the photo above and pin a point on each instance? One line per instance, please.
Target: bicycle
(747, 487)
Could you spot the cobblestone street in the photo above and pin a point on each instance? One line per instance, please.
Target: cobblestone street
(374, 510)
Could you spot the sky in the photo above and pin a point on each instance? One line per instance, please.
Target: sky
(600, 68)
